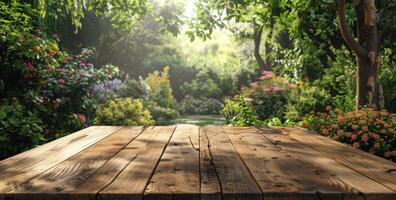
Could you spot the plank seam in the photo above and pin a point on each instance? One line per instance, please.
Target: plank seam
(214, 166)
(63, 160)
(158, 161)
(141, 130)
(199, 161)
(243, 161)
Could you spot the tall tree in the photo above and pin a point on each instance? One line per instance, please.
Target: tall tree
(366, 49)
(260, 15)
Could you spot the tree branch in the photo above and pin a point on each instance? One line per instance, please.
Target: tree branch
(345, 31)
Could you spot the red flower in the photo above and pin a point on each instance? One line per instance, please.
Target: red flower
(82, 118)
(365, 138)
(61, 81)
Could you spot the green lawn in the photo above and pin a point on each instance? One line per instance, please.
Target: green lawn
(201, 120)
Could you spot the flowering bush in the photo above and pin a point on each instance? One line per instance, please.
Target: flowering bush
(268, 95)
(19, 129)
(366, 129)
(123, 112)
(49, 90)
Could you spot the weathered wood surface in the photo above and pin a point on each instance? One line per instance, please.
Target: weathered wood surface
(189, 162)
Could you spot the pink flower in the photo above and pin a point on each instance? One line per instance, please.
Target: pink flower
(365, 138)
(82, 118)
(365, 128)
(61, 81)
(353, 137)
(340, 132)
(335, 126)
(254, 84)
(325, 131)
(354, 127)
(29, 66)
(356, 145)
(349, 134)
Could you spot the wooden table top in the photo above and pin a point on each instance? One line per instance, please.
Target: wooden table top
(191, 162)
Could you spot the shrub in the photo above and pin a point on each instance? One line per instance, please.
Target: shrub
(123, 112)
(134, 89)
(160, 89)
(161, 115)
(240, 112)
(203, 106)
(268, 95)
(203, 86)
(368, 130)
(387, 77)
(304, 99)
(19, 129)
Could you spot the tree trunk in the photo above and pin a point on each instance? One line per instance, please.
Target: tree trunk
(263, 66)
(368, 91)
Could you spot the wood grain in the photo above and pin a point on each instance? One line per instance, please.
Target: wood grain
(371, 166)
(210, 183)
(188, 162)
(25, 166)
(143, 155)
(177, 174)
(278, 174)
(235, 180)
(352, 184)
(69, 174)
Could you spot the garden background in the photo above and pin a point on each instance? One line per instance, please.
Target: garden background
(70, 64)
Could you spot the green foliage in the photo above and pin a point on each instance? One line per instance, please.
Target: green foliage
(387, 77)
(160, 89)
(202, 106)
(305, 99)
(240, 112)
(202, 86)
(51, 82)
(268, 95)
(123, 112)
(20, 129)
(125, 15)
(134, 89)
(161, 115)
(15, 18)
(368, 130)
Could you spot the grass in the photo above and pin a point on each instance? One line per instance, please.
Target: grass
(201, 120)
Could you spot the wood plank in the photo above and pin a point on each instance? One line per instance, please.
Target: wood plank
(210, 185)
(371, 166)
(69, 174)
(23, 167)
(352, 184)
(127, 174)
(278, 174)
(177, 174)
(235, 180)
